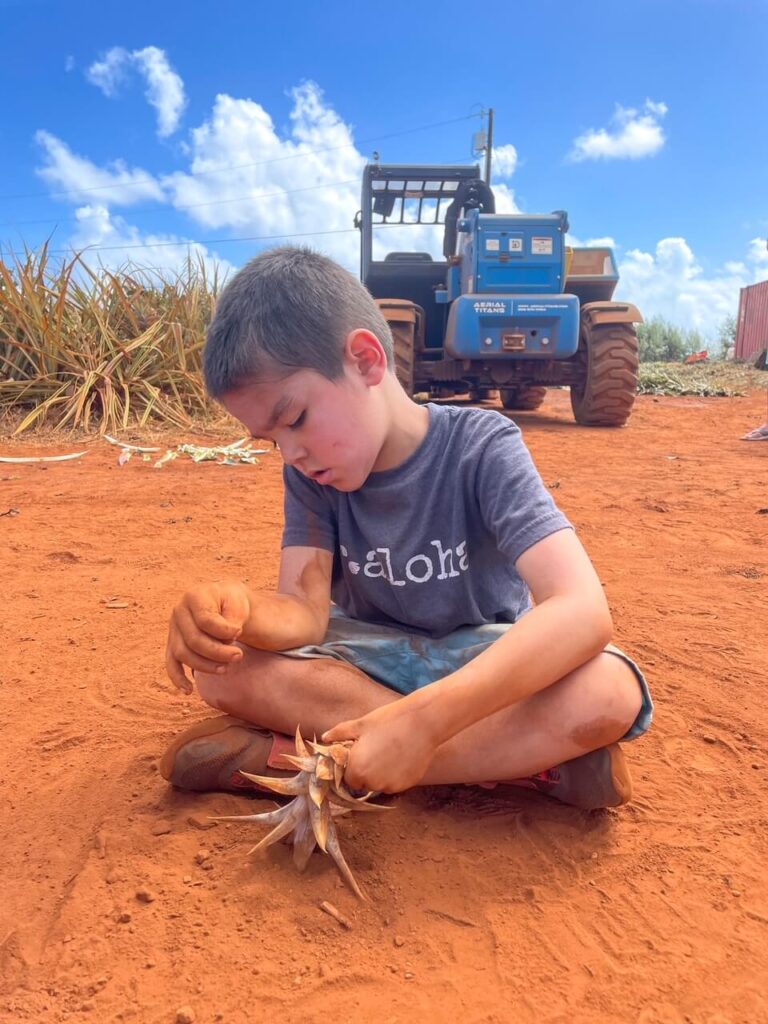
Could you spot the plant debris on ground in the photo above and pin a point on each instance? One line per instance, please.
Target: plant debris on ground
(715, 379)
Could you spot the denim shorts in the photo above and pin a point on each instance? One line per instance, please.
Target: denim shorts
(404, 661)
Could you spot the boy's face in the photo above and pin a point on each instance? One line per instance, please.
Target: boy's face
(331, 431)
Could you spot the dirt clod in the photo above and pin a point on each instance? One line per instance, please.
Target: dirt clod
(201, 822)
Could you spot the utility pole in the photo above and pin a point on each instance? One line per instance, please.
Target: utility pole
(489, 148)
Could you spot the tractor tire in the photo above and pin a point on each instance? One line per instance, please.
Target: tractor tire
(404, 338)
(522, 398)
(609, 358)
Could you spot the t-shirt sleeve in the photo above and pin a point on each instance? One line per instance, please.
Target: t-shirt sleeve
(515, 505)
(309, 516)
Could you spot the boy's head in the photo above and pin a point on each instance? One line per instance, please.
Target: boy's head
(288, 309)
(299, 352)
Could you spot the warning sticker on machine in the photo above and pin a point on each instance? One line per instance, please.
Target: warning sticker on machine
(492, 244)
(541, 245)
(492, 306)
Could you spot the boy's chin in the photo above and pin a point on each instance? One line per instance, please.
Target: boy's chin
(349, 482)
(346, 486)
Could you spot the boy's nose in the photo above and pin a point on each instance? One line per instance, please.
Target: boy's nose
(292, 452)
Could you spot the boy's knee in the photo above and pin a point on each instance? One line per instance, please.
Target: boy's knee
(622, 689)
(237, 687)
(224, 692)
(209, 687)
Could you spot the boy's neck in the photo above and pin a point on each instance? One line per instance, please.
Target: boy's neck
(408, 426)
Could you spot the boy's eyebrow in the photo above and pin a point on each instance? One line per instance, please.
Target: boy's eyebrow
(280, 406)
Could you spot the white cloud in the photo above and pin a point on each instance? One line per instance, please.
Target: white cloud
(247, 178)
(591, 243)
(308, 181)
(115, 242)
(69, 63)
(165, 89)
(758, 253)
(110, 72)
(634, 134)
(504, 161)
(65, 171)
(670, 282)
(505, 198)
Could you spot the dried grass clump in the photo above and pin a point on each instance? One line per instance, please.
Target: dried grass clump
(102, 349)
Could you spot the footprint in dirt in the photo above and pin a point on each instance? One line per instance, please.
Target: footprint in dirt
(706, 753)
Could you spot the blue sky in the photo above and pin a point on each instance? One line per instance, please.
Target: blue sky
(646, 120)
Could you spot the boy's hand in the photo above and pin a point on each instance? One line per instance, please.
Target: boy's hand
(392, 751)
(203, 628)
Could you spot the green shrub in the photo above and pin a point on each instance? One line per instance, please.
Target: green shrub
(663, 342)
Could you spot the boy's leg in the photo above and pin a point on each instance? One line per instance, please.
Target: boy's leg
(591, 708)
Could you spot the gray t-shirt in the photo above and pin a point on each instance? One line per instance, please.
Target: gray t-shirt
(432, 544)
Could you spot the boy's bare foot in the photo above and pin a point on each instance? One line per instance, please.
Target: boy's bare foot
(209, 755)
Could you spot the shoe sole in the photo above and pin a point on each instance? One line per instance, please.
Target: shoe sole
(620, 775)
(598, 779)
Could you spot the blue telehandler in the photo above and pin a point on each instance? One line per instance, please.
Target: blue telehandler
(508, 306)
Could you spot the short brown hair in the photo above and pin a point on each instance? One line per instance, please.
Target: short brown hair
(291, 308)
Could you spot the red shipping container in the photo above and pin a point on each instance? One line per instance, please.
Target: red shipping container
(752, 324)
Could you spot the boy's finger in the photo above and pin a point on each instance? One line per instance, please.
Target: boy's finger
(342, 731)
(215, 624)
(201, 644)
(235, 607)
(201, 664)
(177, 674)
(354, 781)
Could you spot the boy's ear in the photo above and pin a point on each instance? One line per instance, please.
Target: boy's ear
(366, 354)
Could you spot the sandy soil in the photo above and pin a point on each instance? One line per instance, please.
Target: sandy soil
(120, 902)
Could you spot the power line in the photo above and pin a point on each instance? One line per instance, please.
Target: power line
(188, 242)
(10, 251)
(238, 167)
(189, 206)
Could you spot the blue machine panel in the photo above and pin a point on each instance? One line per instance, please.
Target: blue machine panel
(503, 327)
(506, 289)
(512, 253)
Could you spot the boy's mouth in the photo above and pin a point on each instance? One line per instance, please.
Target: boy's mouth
(321, 476)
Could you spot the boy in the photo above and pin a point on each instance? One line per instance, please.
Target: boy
(466, 641)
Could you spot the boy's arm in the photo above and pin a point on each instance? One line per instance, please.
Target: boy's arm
(298, 613)
(569, 625)
(209, 618)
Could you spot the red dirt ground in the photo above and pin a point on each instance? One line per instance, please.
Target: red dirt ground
(485, 906)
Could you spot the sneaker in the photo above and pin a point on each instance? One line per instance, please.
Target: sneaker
(210, 755)
(598, 779)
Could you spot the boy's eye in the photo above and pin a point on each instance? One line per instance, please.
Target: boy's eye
(298, 421)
